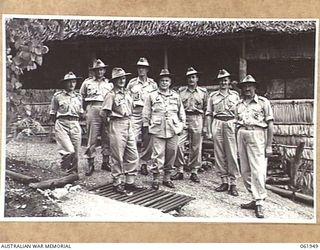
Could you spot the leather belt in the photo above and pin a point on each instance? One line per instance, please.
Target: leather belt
(95, 103)
(114, 118)
(224, 118)
(192, 113)
(251, 127)
(68, 118)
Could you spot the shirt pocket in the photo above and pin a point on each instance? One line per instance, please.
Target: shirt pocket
(199, 103)
(91, 90)
(63, 107)
(157, 105)
(173, 105)
(218, 105)
(155, 125)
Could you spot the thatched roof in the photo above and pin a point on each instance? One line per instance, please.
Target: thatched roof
(174, 28)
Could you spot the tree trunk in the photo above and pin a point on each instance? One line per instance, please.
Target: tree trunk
(54, 183)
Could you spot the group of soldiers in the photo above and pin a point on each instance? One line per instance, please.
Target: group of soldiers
(164, 120)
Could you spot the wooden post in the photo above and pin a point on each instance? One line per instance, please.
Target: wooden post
(165, 66)
(242, 60)
(295, 164)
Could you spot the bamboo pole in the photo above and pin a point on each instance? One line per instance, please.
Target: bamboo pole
(291, 194)
(53, 183)
(295, 164)
(165, 64)
(242, 60)
(21, 177)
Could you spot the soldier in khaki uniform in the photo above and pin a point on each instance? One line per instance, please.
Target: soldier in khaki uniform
(117, 111)
(194, 99)
(93, 91)
(255, 133)
(164, 116)
(139, 87)
(66, 109)
(221, 128)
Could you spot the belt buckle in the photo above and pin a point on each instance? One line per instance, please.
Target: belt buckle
(249, 127)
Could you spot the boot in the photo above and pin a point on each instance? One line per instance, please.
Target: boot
(177, 176)
(233, 190)
(259, 212)
(194, 177)
(155, 183)
(223, 187)
(90, 167)
(144, 169)
(106, 164)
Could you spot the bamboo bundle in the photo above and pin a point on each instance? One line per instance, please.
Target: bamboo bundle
(294, 140)
(294, 130)
(293, 111)
(38, 95)
(289, 151)
(304, 180)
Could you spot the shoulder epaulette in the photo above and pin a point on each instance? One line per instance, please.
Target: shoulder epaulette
(89, 78)
(132, 80)
(154, 90)
(203, 89)
(214, 93)
(182, 88)
(262, 98)
(58, 92)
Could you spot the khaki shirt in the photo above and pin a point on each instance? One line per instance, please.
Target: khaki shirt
(256, 113)
(66, 104)
(140, 90)
(194, 101)
(164, 114)
(222, 105)
(94, 90)
(118, 103)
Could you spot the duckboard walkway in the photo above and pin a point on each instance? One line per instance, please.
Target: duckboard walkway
(159, 199)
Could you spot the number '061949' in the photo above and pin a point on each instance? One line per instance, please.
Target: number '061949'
(309, 245)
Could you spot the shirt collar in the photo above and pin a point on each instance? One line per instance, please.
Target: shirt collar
(220, 93)
(196, 89)
(68, 93)
(102, 79)
(116, 90)
(163, 94)
(255, 99)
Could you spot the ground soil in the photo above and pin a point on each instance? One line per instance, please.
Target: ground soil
(41, 159)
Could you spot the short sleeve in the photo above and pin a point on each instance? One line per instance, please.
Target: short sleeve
(209, 110)
(54, 106)
(108, 102)
(268, 111)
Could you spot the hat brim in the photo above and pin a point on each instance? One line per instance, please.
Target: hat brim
(75, 78)
(194, 73)
(100, 67)
(140, 65)
(217, 78)
(240, 83)
(125, 74)
(166, 75)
